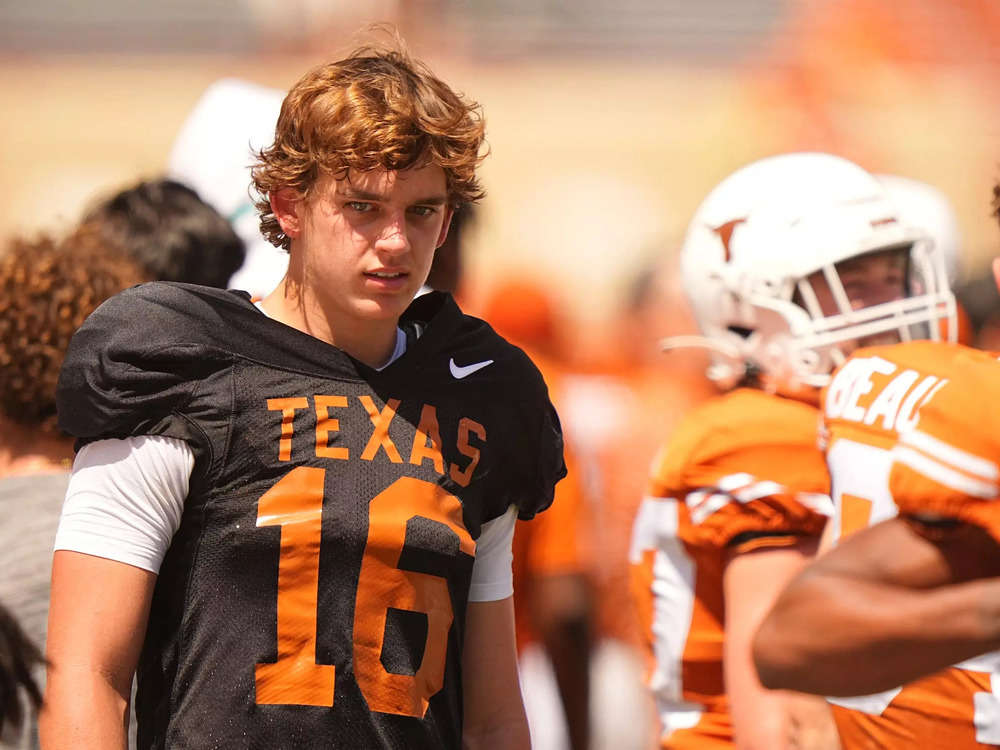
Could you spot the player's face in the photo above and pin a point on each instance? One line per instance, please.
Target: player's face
(872, 279)
(366, 242)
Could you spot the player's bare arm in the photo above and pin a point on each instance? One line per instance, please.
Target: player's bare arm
(889, 604)
(494, 712)
(97, 620)
(764, 718)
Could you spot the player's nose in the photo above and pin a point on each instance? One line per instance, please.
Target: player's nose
(877, 294)
(392, 237)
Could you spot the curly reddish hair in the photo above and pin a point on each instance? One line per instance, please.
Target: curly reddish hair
(47, 288)
(375, 109)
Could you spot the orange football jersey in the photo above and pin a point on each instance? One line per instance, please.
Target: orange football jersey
(742, 471)
(912, 428)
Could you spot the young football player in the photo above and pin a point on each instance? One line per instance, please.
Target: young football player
(738, 497)
(294, 519)
(910, 587)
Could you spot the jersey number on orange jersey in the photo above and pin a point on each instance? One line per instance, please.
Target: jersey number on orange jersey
(860, 482)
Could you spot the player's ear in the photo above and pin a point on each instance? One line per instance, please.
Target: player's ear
(285, 205)
(443, 235)
(996, 272)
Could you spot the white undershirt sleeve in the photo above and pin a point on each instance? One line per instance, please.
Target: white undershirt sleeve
(125, 499)
(492, 576)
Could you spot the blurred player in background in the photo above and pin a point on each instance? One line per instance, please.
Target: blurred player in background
(49, 286)
(910, 587)
(295, 516)
(620, 410)
(170, 231)
(553, 554)
(616, 407)
(739, 495)
(447, 268)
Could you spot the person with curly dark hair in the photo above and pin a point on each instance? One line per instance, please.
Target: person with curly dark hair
(292, 519)
(48, 286)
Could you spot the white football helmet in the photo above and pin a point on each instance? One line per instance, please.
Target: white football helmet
(758, 236)
(922, 205)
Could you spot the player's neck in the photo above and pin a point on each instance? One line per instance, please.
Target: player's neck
(372, 342)
(24, 451)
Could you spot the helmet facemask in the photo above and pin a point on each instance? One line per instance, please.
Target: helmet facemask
(769, 265)
(809, 327)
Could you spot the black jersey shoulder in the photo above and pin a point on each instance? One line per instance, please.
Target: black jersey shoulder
(459, 353)
(145, 352)
(140, 355)
(456, 347)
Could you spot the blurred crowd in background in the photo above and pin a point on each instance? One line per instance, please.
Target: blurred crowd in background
(608, 123)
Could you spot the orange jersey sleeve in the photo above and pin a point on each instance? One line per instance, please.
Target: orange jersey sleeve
(947, 463)
(746, 469)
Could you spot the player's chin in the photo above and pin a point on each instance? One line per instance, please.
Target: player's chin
(384, 306)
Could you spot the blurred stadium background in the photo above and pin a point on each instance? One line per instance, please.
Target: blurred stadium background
(608, 121)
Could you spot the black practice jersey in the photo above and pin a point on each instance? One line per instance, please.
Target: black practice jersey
(314, 595)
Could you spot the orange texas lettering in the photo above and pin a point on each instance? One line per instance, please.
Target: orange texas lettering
(425, 445)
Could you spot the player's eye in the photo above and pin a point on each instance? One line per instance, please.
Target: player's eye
(359, 206)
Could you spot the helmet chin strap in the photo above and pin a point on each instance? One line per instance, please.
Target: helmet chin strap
(725, 376)
(799, 387)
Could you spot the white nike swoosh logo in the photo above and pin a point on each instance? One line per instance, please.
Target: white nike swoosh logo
(460, 372)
